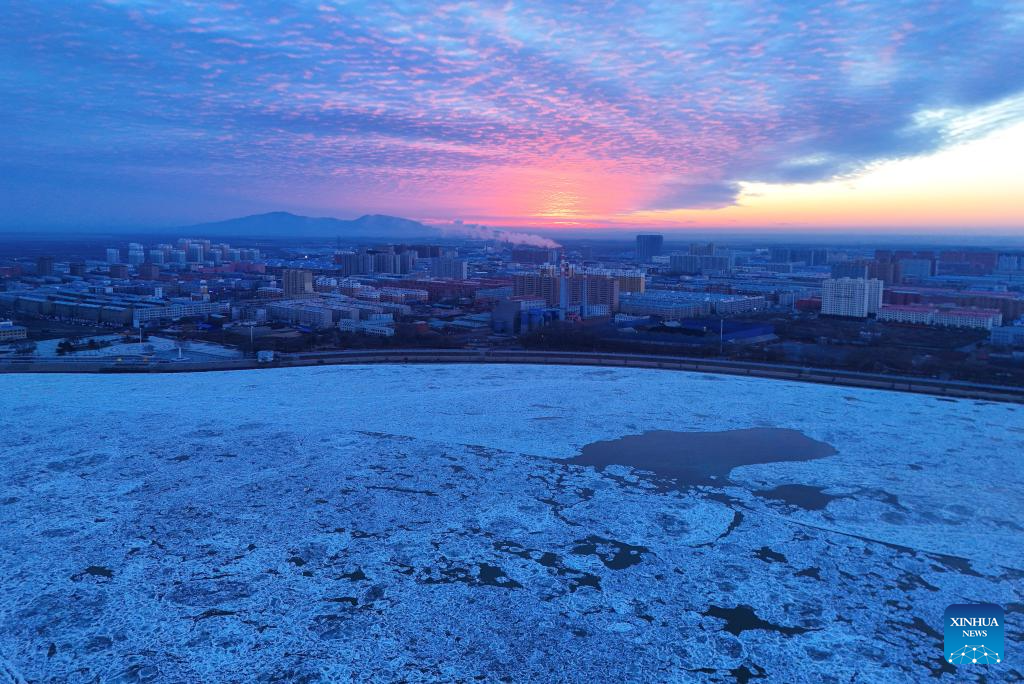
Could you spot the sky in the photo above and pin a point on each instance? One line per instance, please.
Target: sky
(874, 116)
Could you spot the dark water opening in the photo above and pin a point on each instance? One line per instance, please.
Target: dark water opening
(702, 458)
(743, 618)
(803, 496)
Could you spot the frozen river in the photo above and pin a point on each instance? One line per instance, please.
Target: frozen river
(516, 523)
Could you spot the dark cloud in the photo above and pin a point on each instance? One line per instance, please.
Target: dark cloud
(695, 195)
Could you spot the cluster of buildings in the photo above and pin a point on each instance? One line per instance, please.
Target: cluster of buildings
(346, 304)
(113, 309)
(866, 297)
(480, 289)
(676, 305)
(185, 251)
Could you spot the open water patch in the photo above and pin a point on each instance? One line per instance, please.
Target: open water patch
(690, 459)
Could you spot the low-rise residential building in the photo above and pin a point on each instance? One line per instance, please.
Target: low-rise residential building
(401, 295)
(968, 318)
(908, 313)
(301, 313)
(375, 328)
(9, 332)
(176, 310)
(667, 304)
(677, 304)
(943, 317)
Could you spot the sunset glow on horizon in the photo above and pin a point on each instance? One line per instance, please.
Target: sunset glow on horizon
(868, 116)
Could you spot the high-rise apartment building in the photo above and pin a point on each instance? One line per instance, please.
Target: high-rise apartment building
(533, 255)
(452, 269)
(684, 263)
(851, 297)
(916, 269)
(807, 256)
(44, 266)
(629, 279)
(427, 251)
(648, 247)
(149, 271)
(354, 263)
(568, 290)
(1010, 262)
(297, 282)
(857, 268)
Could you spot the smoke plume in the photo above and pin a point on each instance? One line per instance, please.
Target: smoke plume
(475, 231)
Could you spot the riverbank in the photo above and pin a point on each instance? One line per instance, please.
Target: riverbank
(933, 386)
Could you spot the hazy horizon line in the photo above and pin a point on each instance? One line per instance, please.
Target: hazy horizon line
(958, 232)
(851, 237)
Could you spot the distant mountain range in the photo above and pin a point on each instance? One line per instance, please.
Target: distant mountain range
(284, 224)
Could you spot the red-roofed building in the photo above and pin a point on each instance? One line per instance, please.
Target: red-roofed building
(945, 317)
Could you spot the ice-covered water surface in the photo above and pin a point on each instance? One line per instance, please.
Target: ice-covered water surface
(422, 523)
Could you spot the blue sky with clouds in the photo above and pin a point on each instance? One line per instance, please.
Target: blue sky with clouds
(156, 113)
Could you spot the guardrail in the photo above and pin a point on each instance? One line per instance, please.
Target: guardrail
(933, 386)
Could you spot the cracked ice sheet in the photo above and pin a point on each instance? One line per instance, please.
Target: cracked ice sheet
(416, 522)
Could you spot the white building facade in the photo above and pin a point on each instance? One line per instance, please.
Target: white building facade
(851, 297)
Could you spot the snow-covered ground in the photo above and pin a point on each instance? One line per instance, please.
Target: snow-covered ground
(418, 523)
(160, 347)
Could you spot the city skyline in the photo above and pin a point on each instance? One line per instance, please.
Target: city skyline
(280, 456)
(851, 117)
